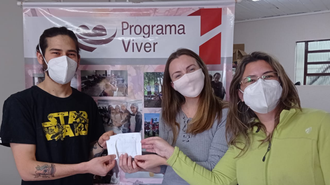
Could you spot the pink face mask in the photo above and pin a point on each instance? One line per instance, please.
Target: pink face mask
(190, 84)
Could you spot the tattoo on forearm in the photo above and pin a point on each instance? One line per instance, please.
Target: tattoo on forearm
(94, 147)
(98, 154)
(45, 171)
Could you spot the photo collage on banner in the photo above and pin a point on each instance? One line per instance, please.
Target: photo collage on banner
(121, 93)
(123, 54)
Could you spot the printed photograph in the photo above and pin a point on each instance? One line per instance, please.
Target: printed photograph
(103, 83)
(121, 116)
(151, 124)
(153, 82)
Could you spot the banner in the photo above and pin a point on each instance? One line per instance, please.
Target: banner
(124, 48)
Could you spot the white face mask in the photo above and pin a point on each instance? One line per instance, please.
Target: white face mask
(190, 84)
(263, 95)
(61, 69)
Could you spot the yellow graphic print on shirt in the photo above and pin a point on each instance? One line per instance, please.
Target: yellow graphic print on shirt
(63, 124)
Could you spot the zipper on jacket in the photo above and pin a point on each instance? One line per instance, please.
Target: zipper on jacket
(268, 148)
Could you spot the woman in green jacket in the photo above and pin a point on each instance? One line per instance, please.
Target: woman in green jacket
(272, 139)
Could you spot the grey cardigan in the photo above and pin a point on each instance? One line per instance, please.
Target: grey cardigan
(205, 148)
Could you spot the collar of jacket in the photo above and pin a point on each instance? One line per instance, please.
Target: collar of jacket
(285, 116)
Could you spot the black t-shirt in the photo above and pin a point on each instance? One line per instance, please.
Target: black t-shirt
(61, 128)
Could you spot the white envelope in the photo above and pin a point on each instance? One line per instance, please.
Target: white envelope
(129, 143)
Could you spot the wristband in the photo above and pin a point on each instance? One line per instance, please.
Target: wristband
(99, 144)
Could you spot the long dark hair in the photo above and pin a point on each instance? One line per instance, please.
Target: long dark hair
(53, 32)
(240, 118)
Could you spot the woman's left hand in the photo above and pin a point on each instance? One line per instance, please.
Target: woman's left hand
(149, 161)
(158, 145)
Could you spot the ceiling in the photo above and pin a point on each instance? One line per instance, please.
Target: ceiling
(247, 9)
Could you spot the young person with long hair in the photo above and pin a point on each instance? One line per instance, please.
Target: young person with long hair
(54, 130)
(192, 118)
(272, 139)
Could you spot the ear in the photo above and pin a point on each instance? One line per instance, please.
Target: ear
(240, 95)
(40, 58)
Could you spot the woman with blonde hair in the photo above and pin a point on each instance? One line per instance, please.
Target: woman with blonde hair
(272, 139)
(117, 118)
(192, 118)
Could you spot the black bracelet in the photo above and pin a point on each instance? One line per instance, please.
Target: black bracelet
(99, 144)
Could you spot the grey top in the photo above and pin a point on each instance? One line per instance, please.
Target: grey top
(205, 148)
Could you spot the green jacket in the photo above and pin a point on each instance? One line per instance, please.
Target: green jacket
(299, 154)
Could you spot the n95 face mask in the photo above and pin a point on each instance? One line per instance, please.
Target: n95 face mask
(61, 69)
(190, 84)
(263, 95)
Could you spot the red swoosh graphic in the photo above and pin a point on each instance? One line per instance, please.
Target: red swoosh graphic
(97, 31)
(97, 42)
(86, 48)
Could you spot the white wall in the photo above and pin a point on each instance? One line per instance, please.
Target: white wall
(11, 75)
(278, 36)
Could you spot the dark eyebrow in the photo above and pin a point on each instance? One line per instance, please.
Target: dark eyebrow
(54, 49)
(190, 66)
(262, 74)
(186, 69)
(268, 72)
(175, 73)
(72, 51)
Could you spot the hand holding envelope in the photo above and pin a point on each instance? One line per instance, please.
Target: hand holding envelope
(129, 143)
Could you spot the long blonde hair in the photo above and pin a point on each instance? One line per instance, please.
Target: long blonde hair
(240, 117)
(209, 109)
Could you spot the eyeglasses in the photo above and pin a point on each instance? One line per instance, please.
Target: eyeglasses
(272, 75)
